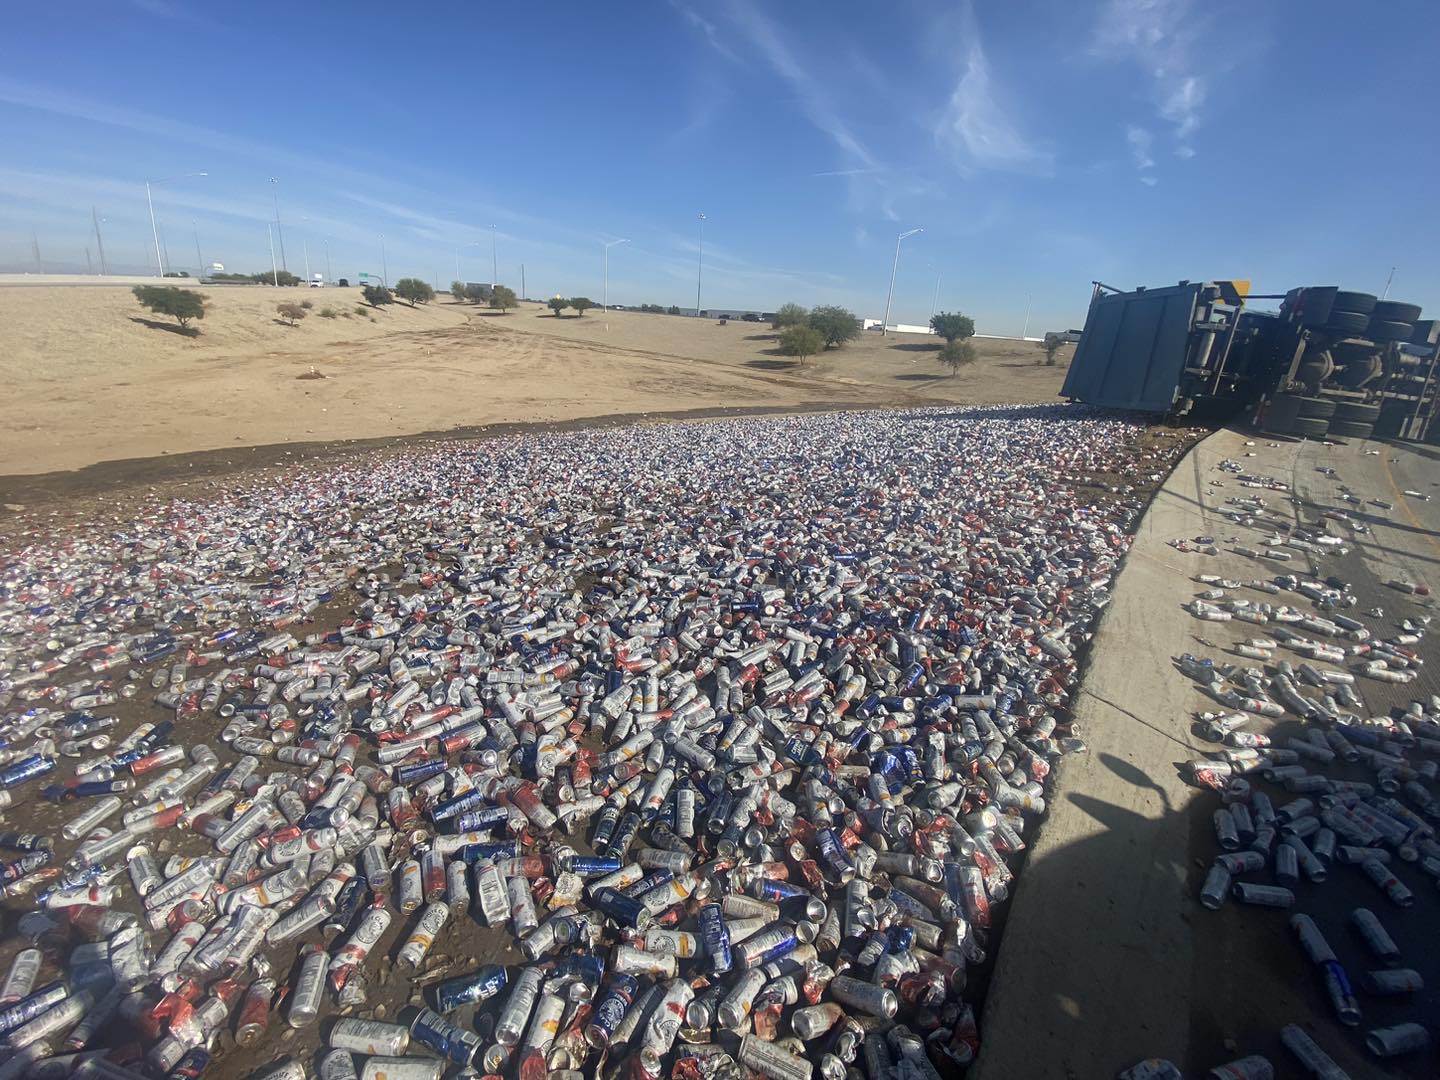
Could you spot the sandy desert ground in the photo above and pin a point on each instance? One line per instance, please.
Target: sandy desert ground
(90, 377)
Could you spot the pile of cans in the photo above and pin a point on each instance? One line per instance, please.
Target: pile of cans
(1346, 793)
(677, 751)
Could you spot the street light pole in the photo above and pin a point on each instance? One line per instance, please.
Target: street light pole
(494, 263)
(1025, 330)
(275, 191)
(150, 202)
(99, 243)
(154, 229)
(605, 301)
(329, 280)
(700, 264)
(935, 300)
(274, 273)
(199, 262)
(384, 269)
(885, 322)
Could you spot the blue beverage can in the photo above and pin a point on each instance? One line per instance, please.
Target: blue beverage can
(774, 889)
(25, 1010)
(487, 817)
(25, 769)
(715, 936)
(787, 944)
(434, 1032)
(406, 775)
(191, 1066)
(594, 865)
(605, 823)
(501, 849)
(347, 904)
(625, 910)
(477, 986)
(26, 864)
(448, 808)
(610, 1010)
(587, 967)
(15, 841)
(624, 835)
(900, 938)
(833, 853)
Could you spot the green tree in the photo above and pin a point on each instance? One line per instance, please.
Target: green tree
(457, 290)
(958, 354)
(582, 304)
(1051, 345)
(180, 304)
(557, 304)
(801, 341)
(375, 295)
(290, 312)
(789, 315)
(673, 309)
(836, 325)
(477, 293)
(503, 297)
(414, 291)
(952, 326)
(272, 277)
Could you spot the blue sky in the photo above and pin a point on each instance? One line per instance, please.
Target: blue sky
(1039, 143)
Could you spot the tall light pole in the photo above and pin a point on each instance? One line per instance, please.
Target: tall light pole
(199, 262)
(460, 248)
(700, 264)
(274, 273)
(1025, 329)
(605, 301)
(329, 280)
(885, 322)
(935, 300)
(150, 202)
(1388, 282)
(494, 263)
(99, 243)
(275, 191)
(384, 269)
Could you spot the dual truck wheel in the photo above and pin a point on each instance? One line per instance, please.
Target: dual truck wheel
(1293, 414)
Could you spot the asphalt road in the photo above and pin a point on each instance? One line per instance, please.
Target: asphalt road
(1108, 957)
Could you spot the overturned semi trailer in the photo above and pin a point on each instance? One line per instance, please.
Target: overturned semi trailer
(1326, 362)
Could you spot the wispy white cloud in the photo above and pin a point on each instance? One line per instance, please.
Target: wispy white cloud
(707, 29)
(976, 128)
(1140, 141)
(1161, 37)
(1149, 181)
(849, 172)
(814, 101)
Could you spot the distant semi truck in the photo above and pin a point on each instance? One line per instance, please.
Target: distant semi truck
(1328, 361)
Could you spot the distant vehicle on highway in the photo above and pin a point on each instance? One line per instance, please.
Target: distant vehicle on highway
(1065, 337)
(317, 281)
(750, 316)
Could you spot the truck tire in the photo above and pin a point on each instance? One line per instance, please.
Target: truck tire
(1348, 322)
(1357, 303)
(1311, 426)
(1352, 412)
(1282, 409)
(1345, 430)
(1395, 311)
(1316, 408)
(1387, 330)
